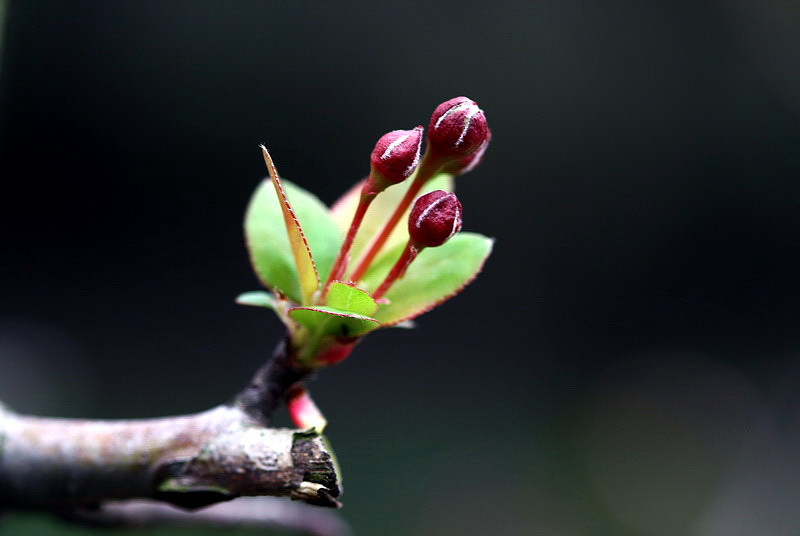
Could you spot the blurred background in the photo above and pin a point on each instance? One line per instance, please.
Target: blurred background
(628, 363)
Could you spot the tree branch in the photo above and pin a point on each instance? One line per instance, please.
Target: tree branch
(189, 461)
(246, 511)
(270, 384)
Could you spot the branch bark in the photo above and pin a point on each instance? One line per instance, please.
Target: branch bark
(267, 512)
(189, 461)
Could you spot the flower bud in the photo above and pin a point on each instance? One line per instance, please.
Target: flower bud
(459, 166)
(395, 157)
(457, 129)
(435, 217)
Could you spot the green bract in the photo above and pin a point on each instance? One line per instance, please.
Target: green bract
(348, 313)
(330, 321)
(349, 298)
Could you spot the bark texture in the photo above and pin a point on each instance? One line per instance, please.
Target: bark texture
(190, 461)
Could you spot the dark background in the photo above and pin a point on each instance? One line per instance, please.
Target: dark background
(627, 364)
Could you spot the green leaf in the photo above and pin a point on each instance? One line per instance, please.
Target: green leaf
(258, 298)
(379, 211)
(349, 298)
(435, 275)
(270, 251)
(324, 320)
(304, 262)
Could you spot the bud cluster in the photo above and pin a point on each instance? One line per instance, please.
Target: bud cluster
(458, 135)
(326, 318)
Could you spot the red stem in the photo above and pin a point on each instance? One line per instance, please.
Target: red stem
(424, 174)
(398, 270)
(340, 264)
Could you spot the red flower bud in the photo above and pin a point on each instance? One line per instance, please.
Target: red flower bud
(435, 217)
(459, 166)
(457, 129)
(395, 157)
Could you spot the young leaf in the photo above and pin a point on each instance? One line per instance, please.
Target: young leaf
(257, 298)
(268, 243)
(434, 276)
(325, 320)
(349, 298)
(306, 271)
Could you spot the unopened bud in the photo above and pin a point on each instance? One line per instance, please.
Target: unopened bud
(457, 129)
(435, 217)
(459, 166)
(395, 157)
